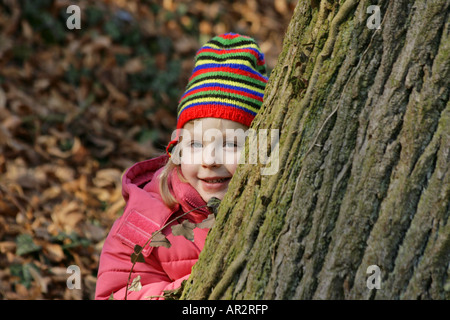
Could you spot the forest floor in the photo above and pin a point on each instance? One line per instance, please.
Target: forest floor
(78, 107)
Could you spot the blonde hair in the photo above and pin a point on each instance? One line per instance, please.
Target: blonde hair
(166, 195)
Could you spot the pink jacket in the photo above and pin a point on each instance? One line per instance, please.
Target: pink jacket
(145, 212)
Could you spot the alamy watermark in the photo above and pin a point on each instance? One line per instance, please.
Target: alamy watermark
(374, 21)
(74, 20)
(263, 146)
(374, 280)
(210, 146)
(74, 280)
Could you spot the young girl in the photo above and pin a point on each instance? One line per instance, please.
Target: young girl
(224, 92)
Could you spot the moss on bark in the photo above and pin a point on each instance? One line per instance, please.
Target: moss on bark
(364, 155)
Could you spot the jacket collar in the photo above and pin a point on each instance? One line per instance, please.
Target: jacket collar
(187, 197)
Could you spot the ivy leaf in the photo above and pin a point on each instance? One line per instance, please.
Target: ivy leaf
(137, 257)
(25, 244)
(137, 249)
(213, 204)
(207, 223)
(185, 229)
(159, 240)
(135, 284)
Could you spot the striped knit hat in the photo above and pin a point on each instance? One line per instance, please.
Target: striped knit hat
(227, 82)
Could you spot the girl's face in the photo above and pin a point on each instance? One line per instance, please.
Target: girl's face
(210, 154)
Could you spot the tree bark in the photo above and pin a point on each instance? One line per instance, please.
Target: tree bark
(363, 175)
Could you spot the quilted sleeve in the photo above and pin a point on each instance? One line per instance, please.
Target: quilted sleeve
(114, 269)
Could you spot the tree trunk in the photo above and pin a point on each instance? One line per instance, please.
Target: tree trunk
(363, 175)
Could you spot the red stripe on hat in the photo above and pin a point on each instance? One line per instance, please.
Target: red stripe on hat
(232, 36)
(211, 111)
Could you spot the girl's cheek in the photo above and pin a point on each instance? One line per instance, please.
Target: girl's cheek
(191, 156)
(232, 157)
(231, 167)
(237, 157)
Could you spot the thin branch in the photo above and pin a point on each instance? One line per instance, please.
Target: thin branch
(150, 239)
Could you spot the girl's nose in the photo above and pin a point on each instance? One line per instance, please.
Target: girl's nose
(211, 156)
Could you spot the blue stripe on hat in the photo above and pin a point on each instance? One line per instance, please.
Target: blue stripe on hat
(229, 65)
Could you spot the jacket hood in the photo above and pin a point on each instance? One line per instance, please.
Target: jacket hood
(140, 174)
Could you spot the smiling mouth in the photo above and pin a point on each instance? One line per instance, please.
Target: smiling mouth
(218, 180)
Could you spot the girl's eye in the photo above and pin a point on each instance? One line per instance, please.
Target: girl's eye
(230, 144)
(195, 144)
